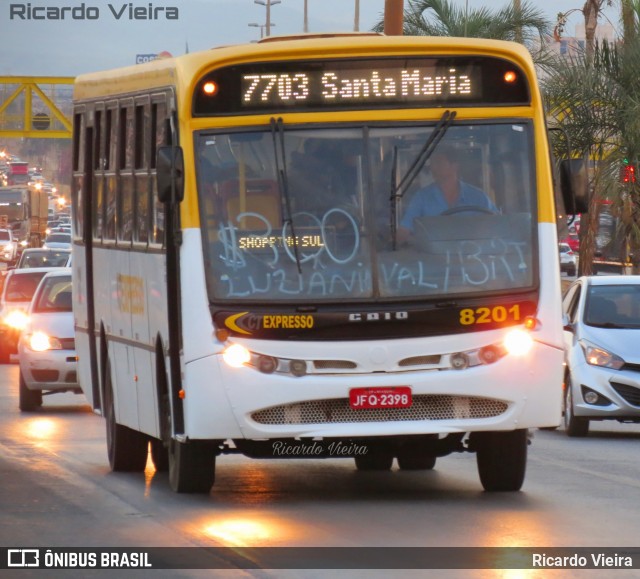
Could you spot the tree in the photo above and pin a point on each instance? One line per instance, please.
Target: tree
(442, 18)
(594, 98)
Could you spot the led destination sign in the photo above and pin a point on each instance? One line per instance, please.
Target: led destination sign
(362, 85)
(359, 84)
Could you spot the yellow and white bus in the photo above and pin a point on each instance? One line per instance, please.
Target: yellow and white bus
(246, 279)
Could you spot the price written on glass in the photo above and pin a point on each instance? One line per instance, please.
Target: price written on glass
(355, 85)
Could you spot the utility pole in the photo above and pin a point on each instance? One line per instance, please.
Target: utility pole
(356, 17)
(517, 9)
(393, 17)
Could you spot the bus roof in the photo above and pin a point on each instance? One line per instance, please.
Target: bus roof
(180, 71)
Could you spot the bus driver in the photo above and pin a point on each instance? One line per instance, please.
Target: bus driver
(447, 192)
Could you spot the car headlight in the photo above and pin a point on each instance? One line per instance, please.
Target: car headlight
(41, 342)
(16, 319)
(597, 356)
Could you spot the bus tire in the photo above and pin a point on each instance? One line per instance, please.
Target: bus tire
(192, 466)
(159, 455)
(374, 460)
(574, 426)
(502, 459)
(415, 461)
(127, 449)
(29, 400)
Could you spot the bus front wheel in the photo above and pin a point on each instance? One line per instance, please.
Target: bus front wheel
(192, 466)
(502, 459)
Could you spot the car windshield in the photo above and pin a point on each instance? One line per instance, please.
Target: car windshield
(613, 306)
(4, 235)
(54, 295)
(44, 259)
(58, 238)
(20, 288)
(291, 215)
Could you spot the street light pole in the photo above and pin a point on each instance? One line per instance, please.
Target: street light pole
(306, 17)
(466, 16)
(356, 17)
(268, 4)
(261, 27)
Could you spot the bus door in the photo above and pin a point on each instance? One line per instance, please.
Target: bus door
(85, 155)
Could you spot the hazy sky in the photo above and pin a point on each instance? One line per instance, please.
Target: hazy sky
(99, 39)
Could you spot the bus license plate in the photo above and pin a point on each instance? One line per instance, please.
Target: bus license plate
(395, 397)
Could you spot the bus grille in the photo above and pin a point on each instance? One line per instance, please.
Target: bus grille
(424, 407)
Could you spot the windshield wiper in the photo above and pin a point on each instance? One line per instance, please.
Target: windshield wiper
(277, 134)
(397, 191)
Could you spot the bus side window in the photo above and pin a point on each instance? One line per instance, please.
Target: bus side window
(159, 137)
(141, 168)
(125, 165)
(109, 230)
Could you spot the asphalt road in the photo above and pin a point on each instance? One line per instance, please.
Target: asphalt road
(56, 490)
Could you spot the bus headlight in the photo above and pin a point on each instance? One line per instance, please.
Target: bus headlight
(16, 319)
(518, 342)
(236, 356)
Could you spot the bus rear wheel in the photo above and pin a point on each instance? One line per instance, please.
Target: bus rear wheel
(127, 448)
(413, 455)
(375, 459)
(192, 466)
(416, 461)
(502, 459)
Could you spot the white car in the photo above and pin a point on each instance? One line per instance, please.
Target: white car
(602, 350)
(46, 350)
(57, 241)
(18, 290)
(8, 246)
(568, 261)
(42, 257)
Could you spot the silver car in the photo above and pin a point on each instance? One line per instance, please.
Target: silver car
(602, 349)
(46, 350)
(568, 261)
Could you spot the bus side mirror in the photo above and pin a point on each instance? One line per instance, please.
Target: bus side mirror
(574, 184)
(170, 174)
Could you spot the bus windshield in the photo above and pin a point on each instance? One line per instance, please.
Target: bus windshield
(365, 212)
